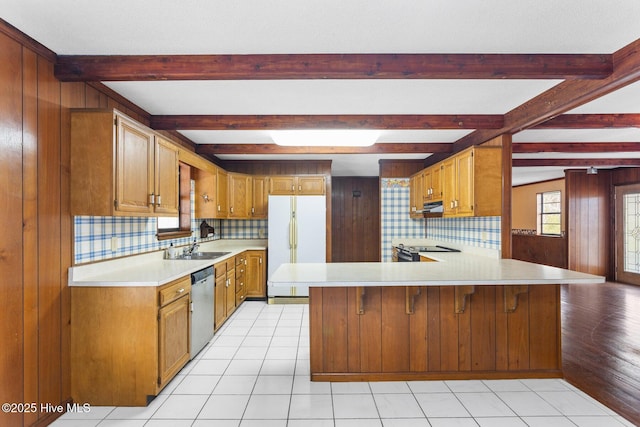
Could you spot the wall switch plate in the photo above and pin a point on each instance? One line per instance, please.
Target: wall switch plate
(114, 243)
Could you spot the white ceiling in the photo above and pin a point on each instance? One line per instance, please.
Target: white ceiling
(72, 27)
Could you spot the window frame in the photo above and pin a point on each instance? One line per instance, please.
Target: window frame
(184, 207)
(541, 213)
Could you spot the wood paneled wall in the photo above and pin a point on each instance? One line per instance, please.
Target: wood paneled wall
(279, 167)
(355, 223)
(400, 168)
(540, 249)
(589, 221)
(36, 247)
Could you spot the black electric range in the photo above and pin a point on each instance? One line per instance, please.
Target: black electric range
(411, 253)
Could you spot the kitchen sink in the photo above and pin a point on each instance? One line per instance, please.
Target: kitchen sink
(202, 255)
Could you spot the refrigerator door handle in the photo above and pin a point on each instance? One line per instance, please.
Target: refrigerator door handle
(291, 234)
(295, 233)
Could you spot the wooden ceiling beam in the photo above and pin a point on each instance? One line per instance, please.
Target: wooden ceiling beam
(591, 121)
(328, 121)
(332, 66)
(575, 147)
(575, 162)
(379, 148)
(559, 99)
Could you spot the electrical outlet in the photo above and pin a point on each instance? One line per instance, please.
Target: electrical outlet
(484, 236)
(114, 244)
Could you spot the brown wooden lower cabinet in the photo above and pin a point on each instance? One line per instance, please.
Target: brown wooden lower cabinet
(435, 332)
(127, 342)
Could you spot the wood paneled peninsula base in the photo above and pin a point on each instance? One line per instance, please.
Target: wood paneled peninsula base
(415, 329)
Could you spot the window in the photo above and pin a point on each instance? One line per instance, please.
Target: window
(168, 223)
(180, 226)
(549, 212)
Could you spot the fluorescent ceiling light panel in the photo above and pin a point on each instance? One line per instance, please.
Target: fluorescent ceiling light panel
(325, 137)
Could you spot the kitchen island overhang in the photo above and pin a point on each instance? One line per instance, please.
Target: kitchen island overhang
(467, 317)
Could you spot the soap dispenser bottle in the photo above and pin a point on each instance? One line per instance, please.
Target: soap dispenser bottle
(171, 251)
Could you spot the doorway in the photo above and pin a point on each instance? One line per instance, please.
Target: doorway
(627, 247)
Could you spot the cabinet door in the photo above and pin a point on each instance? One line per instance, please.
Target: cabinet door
(230, 295)
(222, 194)
(415, 195)
(427, 181)
(282, 185)
(134, 160)
(205, 194)
(436, 183)
(260, 197)
(220, 300)
(239, 195)
(310, 185)
(464, 165)
(449, 187)
(166, 178)
(255, 275)
(173, 338)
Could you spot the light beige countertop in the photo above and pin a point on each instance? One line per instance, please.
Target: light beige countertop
(452, 269)
(152, 269)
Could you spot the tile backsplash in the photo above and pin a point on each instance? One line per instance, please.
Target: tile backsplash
(137, 235)
(394, 215)
(482, 232)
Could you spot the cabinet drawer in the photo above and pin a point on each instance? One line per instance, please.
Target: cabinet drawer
(220, 269)
(240, 259)
(231, 263)
(174, 290)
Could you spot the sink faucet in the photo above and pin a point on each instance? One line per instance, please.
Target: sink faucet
(192, 248)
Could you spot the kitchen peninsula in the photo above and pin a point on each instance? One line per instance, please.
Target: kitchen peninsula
(463, 317)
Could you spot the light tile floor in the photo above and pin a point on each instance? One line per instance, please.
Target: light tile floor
(255, 372)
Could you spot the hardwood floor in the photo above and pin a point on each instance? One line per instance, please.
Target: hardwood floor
(601, 344)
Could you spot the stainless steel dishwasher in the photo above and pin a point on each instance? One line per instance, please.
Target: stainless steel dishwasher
(202, 303)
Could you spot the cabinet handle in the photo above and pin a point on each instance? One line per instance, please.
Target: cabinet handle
(205, 197)
(227, 284)
(260, 260)
(293, 188)
(218, 208)
(299, 187)
(152, 199)
(159, 200)
(253, 210)
(179, 291)
(231, 209)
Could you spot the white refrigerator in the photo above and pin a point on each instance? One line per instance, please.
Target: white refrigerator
(297, 234)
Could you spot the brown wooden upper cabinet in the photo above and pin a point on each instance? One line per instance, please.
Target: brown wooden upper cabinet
(211, 193)
(120, 167)
(468, 184)
(240, 188)
(472, 183)
(416, 196)
(432, 184)
(297, 185)
(260, 197)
